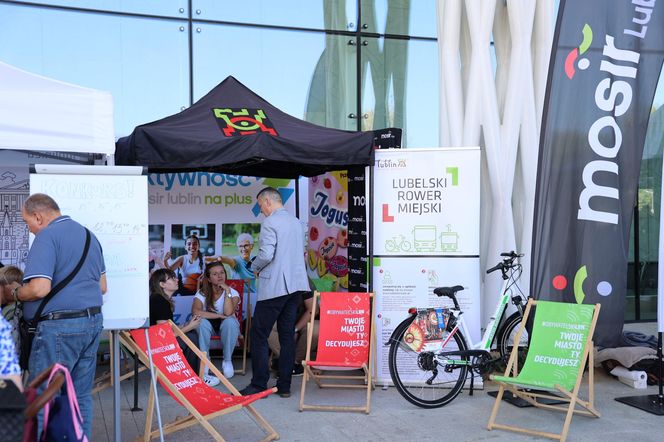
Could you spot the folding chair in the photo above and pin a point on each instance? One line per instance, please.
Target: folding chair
(174, 373)
(346, 341)
(560, 346)
(242, 287)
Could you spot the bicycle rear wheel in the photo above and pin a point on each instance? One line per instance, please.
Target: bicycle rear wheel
(419, 376)
(507, 336)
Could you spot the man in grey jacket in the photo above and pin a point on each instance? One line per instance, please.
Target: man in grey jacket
(281, 278)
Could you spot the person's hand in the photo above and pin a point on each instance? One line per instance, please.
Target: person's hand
(195, 321)
(167, 255)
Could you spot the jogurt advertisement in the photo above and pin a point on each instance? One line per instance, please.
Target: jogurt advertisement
(327, 250)
(426, 202)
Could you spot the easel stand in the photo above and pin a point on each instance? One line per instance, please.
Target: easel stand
(652, 403)
(117, 433)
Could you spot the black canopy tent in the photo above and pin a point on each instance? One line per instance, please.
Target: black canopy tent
(233, 130)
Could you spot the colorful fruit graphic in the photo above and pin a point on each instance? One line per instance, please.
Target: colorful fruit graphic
(342, 238)
(343, 281)
(341, 197)
(414, 337)
(337, 265)
(327, 183)
(312, 258)
(322, 268)
(313, 233)
(328, 248)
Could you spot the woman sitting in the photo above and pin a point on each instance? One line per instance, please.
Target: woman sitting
(163, 284)
(215, 303)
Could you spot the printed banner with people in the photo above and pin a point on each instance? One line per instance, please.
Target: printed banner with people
(606, 60)
(196, 217)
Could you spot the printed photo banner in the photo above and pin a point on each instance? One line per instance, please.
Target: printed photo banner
(327, 251)
(427, 202)
(205, 197)
(220, 209)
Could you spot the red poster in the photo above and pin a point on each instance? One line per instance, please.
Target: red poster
(345, 329)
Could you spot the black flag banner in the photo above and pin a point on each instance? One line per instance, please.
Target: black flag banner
(605, 64)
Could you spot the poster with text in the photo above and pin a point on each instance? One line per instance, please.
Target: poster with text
(404, 282)
(327, 248)
(427, 202)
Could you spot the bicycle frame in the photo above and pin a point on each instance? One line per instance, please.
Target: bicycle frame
(509, 292)
(492, 327)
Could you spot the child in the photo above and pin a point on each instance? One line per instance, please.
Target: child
(11, 311)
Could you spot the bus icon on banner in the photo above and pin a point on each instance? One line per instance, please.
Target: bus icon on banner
(424, 238)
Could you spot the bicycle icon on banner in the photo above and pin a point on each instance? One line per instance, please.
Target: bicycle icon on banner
(398, 244)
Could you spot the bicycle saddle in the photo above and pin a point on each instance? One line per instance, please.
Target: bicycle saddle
(447, 291)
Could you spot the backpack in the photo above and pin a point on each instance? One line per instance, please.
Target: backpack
(62, 417)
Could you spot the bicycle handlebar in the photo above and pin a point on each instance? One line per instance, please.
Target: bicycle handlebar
(506, 263)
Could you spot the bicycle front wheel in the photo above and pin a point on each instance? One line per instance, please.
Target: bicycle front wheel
(420, 376)
(506, 339)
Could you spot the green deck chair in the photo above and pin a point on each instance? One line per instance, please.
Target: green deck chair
(561, 343)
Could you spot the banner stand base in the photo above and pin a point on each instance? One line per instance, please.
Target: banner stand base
(652, 403)
(518, 402)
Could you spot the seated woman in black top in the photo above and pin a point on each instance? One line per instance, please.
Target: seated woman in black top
(163, 283)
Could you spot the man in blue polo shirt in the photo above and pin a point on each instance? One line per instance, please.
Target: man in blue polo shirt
(70, 325)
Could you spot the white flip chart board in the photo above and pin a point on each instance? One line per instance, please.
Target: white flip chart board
(112, 202)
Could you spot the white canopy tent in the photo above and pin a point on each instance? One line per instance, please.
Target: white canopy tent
(39, 113)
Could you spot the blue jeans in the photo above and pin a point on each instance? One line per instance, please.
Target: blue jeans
(229, 331)
(283, 310)
(72, 343)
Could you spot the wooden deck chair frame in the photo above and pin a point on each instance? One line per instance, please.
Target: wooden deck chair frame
(194, 416)
(245, 295)
(570, 397)
(325, 380)
(105, 380)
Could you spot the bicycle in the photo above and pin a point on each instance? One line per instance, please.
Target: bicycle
(414, 360)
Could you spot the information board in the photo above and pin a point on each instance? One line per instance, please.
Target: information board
(111, 201)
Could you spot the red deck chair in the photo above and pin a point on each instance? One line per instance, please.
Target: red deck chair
(242, 287)
(346, 342)
(174, 373)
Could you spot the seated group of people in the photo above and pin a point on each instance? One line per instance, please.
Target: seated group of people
(215, 303)
(213, 312)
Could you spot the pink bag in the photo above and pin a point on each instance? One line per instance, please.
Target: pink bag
(66, 422)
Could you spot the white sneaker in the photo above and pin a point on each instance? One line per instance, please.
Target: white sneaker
(227, 369)
(211, 381)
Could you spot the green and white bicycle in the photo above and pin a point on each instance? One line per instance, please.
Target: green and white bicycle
(430, 373)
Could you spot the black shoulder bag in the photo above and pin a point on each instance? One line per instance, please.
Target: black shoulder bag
(28, 329)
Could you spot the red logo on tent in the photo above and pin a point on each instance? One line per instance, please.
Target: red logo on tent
(238, 122)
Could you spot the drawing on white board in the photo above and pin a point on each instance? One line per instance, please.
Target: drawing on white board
(13, 230)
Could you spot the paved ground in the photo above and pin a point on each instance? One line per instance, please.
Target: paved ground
(391, 418)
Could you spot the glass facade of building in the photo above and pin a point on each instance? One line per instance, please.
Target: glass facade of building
(342, 63)
(347, 64)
